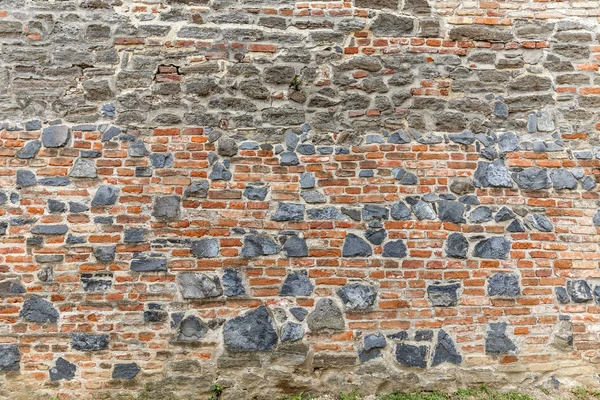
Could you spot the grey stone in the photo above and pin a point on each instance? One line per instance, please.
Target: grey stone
(295, 246)
(233, 283)
(297, 284)
(30, 150)
(395, 249)
(25, 178)
(55, 136)
(306, 149)
(313, 196)
(508, 142)
(480, 215)
(445, 350)
(220, 173)
(504, 214)
(137, 149)
(534, 178)
(10, 357)
(289, 212)
(596, 218)
(253, 331)
(89, 342)
(410, 355)
(258, 193)
(374, 341)
(541, 222)
(307, 180)
(125, 371)
(326, 213)
(400, 211)
(588, 183)
(357, 296)
(105, 253)
(291, 140)
(480, 33)
(423, 210)
(227, 147)
(503, 284)
(355, 246)
(494, 174)
(197, 189)
(54, 181)
(292, 332)
(462, 185)
(205, 248)
(198, 286)
(326, 315)
(496, 341)
(11, 287)
(515, 226)
(299, 313)
(148, 264)
(49, 229)
(84, 168)
(500, 109)
(288, 158)
(579, 290)
(374, 212)
(399, 137)
(62, 370)
(167, 207)
(161, 160)
(375, 236)
(134, 235)
(443, 294)
(392, 25)
(562, 336)
(497, 248)
(106, 195)
(561, 295)
(465, 137)
(36, 309)
(75, 207)
(191, 329)
(259, 245)
(451, 211)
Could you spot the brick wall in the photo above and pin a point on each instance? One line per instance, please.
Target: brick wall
(284, 197)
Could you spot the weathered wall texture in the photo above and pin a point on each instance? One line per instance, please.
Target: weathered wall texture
(283, 196)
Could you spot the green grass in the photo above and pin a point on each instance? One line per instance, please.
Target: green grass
(581, 393)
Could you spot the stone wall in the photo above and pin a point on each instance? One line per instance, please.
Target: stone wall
(284, 197)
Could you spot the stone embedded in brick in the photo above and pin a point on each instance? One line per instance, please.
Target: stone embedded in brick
(400, 211)
(497, 248)
(259, 245)
(10, 357)
(299, 313)
(579, 290)
(423, 210)
(83, 168)
(534, 178)
(563, 179)
(445, 350)
(450, 211)
(297, 284)
(355, 246)
(292, 332)
(258, 193)
(36, 309)
(168, 207)
(253, 331)
(494, 174)
(89, 342)
(289, 212)
(540, 222)
(357, 296)
(9, 287)
(50, 229)
(389, 25)
(198, 286)
(125, 371)
(197, 189)
(62, 369)
(374, 341)
(504, 284)
(480, 215)
(374, 212)
(205, 248)
(191, 329)
(134, 235)
(288, 158)
(443, 294)
(325, 316)
(26, 178)
(496, 340)
(55, 136)
(106, 195)
(220, 173)
(295, 246)
(233, 283)
(148, 264)
(504, 214)
(138, 149)
(30, 150)
(395, 249)
(313, 196)
(410, 355)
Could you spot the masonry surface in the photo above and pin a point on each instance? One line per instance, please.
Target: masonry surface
(283, 197)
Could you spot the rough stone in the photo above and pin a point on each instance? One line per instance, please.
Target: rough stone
(504, 284)
(445, 350)
(233, 283)
(297, 284)
(355, 246)
(443, 294)
(55, 136)
(106, 195)
(191, 329)
(105, 253)
(496, 341)
(10, 357)
(30, 150)
(36, 309)
(227, 147)
(198, 286)
(400, 211)
(395, 249)
(540, 222)
(410, 355)
(62, 370)
(291, 332)
(451, 211)
(423, 210)
(357, 296)
(258, 193)
(259, 245)
(480, 215)
(89, 342)
(457, 246)
(534, 178)
(579, 290)
(253, 331)
(326, 315)
(497, 248)
(205, 248)
(374, 212)
(386, 25)
(26, 178)
(148, 264)
(289, 212)
(125, 371)
(167, 207)
(295, 246)
(494, 174)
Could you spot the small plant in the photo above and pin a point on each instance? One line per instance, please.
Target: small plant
(582, 393)
(296, 82)
(215, 391)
